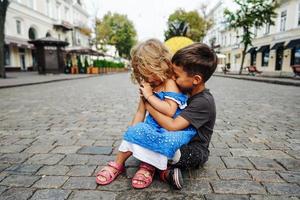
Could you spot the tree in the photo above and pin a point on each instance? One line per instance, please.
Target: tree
(118, 30)
(252, 13)
(3, 8)
(197, 25)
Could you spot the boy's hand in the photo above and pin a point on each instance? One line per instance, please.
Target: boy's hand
(146, 90)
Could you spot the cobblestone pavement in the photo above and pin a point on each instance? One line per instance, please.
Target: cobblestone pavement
(55, 136)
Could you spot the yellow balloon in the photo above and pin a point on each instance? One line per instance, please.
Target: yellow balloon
(178, 42)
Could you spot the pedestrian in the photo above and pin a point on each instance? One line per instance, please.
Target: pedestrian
(193, 66)
(147, 140)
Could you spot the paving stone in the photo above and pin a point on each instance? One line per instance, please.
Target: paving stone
(23, 169)
(237, 163)
(53, 170)
(86, 142)
(81, 170)
(121, 184)
(174, 196)
(17, 194)
(214, 163)
(80, 183)
(234, 174)
(196, 186)
(19, 180)
(266, 164)
(95, 150)
(219, 152)
(39, 148)
(66, 149)
(290, 164)
(51, 194)
(226, 197)
(283, 188)
(3, 167)
(238, 187)
(12, 148)
(45, 159)
(272, 154)
(74, 159)
(293, 153)
(93, 195)
(291, 177)
(102, 160)
(50, 182)
(265, 176)
(14, 158)
(200, 174)
(104, 143)
(2, 188)
(273, 197)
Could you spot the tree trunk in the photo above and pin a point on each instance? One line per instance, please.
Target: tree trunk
(243, 58)
(3, 9)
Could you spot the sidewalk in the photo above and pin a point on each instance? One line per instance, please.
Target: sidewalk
(273, 80)
(16, 79)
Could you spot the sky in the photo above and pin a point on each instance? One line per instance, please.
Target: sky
(148, 16)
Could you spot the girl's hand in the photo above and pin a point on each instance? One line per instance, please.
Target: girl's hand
(146, 90)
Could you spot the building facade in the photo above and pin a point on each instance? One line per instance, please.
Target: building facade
(32, 19)
(276, 48)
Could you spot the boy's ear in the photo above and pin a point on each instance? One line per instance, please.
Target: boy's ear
(197, 79)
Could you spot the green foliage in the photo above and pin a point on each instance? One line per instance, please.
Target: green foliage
(86, 63)
(118, 30)
(198, 26)
(252, 13)
(107, 63)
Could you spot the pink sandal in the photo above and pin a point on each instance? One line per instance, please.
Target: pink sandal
(108, 174)
(140, 176)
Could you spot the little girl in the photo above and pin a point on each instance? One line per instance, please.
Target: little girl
(148, 141)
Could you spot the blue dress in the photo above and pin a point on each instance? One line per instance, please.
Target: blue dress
(151, 135)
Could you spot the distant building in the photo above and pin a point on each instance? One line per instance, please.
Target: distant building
(32, 19)
(275, 48)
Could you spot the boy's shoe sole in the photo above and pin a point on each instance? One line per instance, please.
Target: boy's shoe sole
(175, 178)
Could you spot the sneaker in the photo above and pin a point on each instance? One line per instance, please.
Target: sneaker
(172, 176)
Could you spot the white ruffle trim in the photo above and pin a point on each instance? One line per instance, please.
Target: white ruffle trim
(181, 106)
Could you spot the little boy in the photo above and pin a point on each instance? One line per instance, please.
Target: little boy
(193, 66)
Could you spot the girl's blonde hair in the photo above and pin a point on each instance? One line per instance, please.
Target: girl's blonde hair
(151, 58)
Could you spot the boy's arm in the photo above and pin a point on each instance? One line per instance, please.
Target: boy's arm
(167, 106)
(140, 113)
(167, 122)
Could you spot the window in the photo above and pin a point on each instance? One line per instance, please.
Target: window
(67, 13)
(253, 58)
(283, 20)
(6, 55)
(18, 24)
(48, 8)
(296, 55)
(265, 58)
(58, 13)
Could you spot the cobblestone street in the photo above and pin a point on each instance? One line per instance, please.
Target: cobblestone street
(54, 137)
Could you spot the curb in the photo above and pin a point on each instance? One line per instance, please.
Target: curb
(265, 80)
(42, 82)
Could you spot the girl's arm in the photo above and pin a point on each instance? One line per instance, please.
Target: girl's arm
(140, 113)
(167, 106)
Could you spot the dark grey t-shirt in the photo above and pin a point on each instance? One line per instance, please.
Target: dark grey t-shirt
(201, 113)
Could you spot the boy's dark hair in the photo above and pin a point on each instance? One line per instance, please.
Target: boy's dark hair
(196, 59)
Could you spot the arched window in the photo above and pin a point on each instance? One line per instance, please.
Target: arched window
(32, 34)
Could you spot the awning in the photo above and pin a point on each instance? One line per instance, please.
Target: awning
(18, 42)
(278, 45)
(83, 51)
(252, 50)
(293, 43)
(221, 55)
(263, 48)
